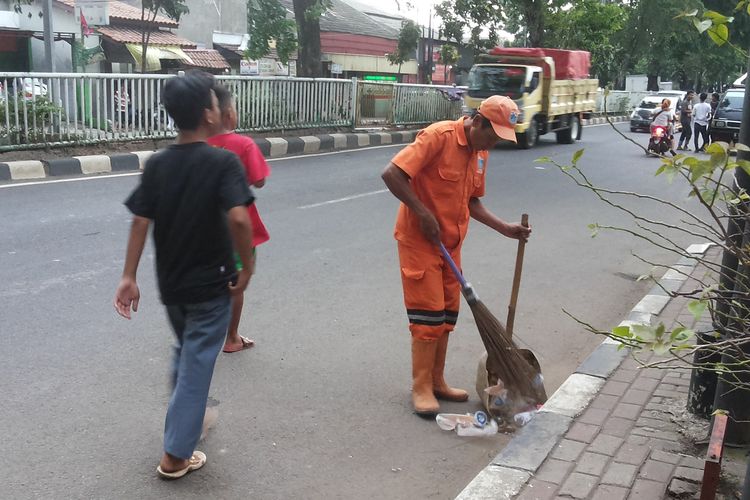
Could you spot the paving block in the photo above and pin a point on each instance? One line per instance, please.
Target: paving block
(494, 483)
(623, 375)
(94, 164)
(606, 445)
(689, 474)
(124, 162)
(339, 141)
(603, 361)
(656, 471)
(278, 147)
(627, 410)
(591, 463)
(679, 488)
(594, 416)
(64, 166)
(652, 304)
(538, 490)
(617, 426)
(578, 485)
(311, 144)
(699, 248)
(644, 489)
(24, 170)
(572, 397)
(663, 456)
(567, 450)
(692, 462)
(634, 454)
(5, 172)
(620, 474)
(582, 432)
(609, 492)
(554, 470)
(615, 388)
(604, 402)
(530, 447)
(636, 397)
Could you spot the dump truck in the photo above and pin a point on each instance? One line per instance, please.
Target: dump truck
(551, 87)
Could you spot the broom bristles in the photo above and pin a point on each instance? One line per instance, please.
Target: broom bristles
(503, 358)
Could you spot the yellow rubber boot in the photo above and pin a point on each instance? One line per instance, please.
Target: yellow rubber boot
(439, 387)
(422, 362)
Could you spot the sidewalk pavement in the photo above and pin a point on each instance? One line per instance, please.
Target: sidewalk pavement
(613, 430)
(271, 147)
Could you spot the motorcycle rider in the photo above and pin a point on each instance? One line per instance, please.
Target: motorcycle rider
(665, 118)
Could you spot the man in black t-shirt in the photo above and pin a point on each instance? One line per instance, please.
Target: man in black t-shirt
(197, 197)
(686, 120)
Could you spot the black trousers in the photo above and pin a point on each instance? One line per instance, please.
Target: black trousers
(701, 130)
(687, 133)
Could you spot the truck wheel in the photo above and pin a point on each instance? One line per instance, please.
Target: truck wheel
(570, 134)
(529, 138)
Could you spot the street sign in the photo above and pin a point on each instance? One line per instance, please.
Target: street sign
(95, 12)
(379, 78)
(248, 67)
(336, 69)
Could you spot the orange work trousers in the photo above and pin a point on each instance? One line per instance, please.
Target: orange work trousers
(431, 292)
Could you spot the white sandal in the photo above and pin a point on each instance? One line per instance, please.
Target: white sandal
(197, 461)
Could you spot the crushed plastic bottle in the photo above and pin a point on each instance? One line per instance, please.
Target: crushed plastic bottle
(524, 417)
(476, 424)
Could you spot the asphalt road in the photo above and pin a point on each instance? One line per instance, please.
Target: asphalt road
(320, 407)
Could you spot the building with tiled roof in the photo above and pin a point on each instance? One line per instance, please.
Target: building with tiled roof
(207, 59)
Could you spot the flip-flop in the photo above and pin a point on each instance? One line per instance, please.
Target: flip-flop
(246, 344)
(197, 461)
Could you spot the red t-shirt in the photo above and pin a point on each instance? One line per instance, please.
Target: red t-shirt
(256, 169)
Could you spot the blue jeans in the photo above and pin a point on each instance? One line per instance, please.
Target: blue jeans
(200, 330)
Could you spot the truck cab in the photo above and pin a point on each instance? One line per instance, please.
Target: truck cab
(550, 98)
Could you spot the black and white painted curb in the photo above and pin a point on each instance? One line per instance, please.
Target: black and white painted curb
(517, 463)
(599, 120)
(272, 147)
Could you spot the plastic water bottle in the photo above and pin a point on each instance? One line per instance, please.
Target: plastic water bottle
(489, 429)
(524, 417)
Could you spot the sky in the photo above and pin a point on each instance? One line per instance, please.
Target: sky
(420, 11)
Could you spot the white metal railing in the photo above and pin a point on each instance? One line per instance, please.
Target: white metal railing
(73, 108)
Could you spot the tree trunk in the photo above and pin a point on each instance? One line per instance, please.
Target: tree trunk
(653, 83)
(534, 13)
(308, 34)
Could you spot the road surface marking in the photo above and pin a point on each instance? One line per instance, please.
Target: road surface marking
(75, 179)
(339, 200)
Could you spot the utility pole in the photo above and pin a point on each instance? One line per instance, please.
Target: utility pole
(49, 37)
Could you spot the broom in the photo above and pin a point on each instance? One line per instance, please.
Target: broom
(504, 360)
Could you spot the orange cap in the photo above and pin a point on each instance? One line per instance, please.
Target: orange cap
(502, 113)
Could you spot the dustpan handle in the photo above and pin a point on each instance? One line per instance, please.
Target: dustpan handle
(453, 266)
(516, 280)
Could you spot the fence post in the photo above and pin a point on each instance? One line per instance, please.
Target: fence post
(354, 103)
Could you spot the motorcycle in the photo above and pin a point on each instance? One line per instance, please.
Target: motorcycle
(660, 142)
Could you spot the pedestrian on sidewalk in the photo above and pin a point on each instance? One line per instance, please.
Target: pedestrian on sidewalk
(256, 171)
(701, 117)
(686, 120)
(197, 198)
(440, 179)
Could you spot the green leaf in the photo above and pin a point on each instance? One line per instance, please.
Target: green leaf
(719, 34)
(717, 147)
(717, 18)
(577, 156)
(660, 348)
(594, 228)
(659, 332)
(543, 159)
(697, 308)
(720, 412)
(691, 13)
(741, 147)
(701, 26)
(644, 332)
(622, 332)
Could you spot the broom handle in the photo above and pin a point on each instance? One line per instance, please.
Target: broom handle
(453, 266)
(516, 280)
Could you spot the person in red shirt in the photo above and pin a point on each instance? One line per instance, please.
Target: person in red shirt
(257, 170)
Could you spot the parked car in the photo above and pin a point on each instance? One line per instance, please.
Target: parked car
(641, 117)
(725, 125)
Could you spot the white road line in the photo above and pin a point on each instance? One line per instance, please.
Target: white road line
(338, 152)
(75, 179)
(347, 198)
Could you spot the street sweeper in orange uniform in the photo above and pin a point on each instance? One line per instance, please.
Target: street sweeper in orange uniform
(440, 179)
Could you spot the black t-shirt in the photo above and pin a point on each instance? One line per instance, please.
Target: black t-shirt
(186, 190)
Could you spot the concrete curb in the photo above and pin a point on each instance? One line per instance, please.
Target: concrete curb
(517, 463)
(272, 147)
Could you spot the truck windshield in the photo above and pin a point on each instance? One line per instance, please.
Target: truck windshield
(486, 81)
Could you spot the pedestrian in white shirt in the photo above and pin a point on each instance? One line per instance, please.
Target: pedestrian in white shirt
(701, 117)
